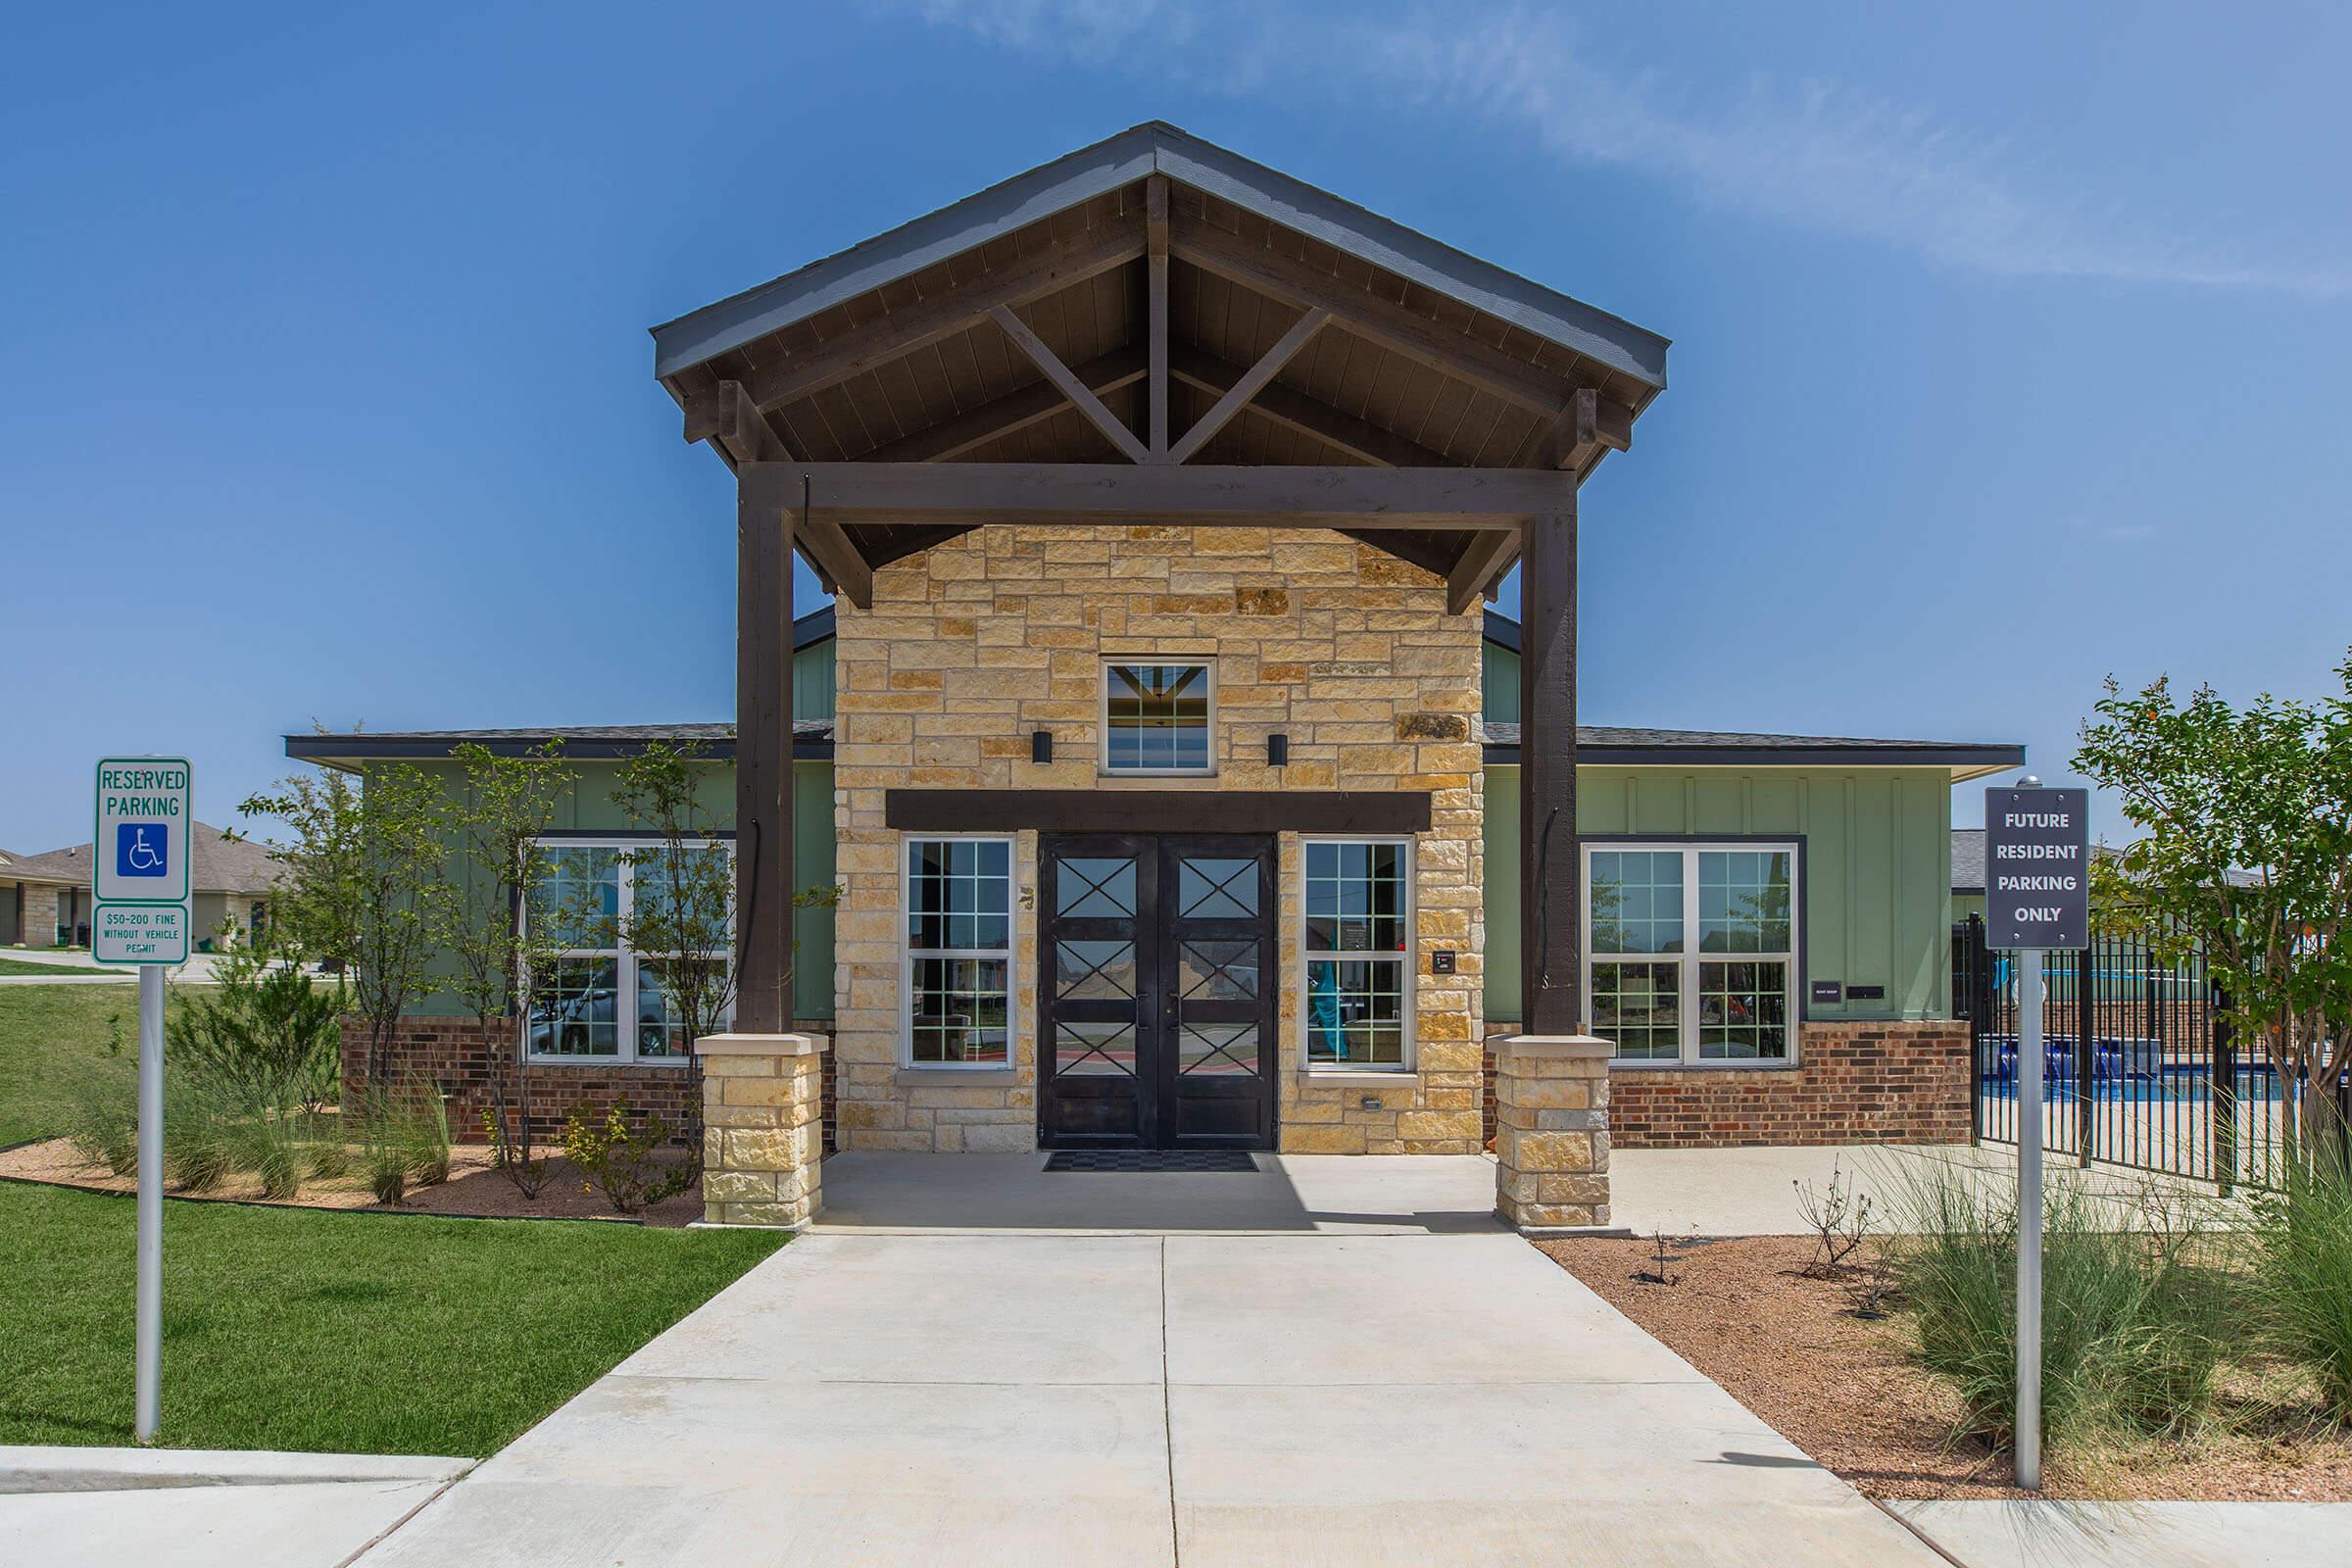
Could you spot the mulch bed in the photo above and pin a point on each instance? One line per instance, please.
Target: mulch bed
(1844, 1389)
(474, 1188)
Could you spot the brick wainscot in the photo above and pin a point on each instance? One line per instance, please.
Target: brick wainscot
(451, 1057)
(1892, 1082)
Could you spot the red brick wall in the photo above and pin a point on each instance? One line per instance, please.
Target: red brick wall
(1854, 1083)
(450, 1055)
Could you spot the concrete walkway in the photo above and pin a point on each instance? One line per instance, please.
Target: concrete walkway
(1279, 1398)
(191, 1508)
(2133, 1534)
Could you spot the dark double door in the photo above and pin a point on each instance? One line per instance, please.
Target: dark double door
(1156, 983)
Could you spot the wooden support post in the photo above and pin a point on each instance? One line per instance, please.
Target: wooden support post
(1550, 879)
(763, 755)
(1155, 252)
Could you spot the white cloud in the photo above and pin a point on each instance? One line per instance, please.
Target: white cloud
(1817, 156)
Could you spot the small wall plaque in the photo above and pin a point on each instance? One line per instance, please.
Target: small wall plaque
(1441, 961)
(1829, 991)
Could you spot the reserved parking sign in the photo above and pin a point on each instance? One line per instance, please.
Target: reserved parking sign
(2037, 869)
(139, 868)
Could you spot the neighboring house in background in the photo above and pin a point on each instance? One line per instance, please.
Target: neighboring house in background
(45, 898)
(1968, 872)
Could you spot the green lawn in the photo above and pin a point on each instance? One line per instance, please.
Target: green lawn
(50, 1033)
(361, 1333)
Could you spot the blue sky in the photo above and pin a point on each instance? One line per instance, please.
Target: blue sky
(2009, 341)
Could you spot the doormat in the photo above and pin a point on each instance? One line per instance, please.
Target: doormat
(1153, 1160)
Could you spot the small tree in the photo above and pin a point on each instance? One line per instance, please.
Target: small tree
(2245, 821)
(681, 918)
(367, 887)
(502, 937)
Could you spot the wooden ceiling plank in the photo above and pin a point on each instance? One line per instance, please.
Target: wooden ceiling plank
(1363, 441)
(887, 337)
(1251, 382)
(1393, 325)
(1080, 395)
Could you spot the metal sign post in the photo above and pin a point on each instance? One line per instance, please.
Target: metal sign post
(2036, 897)
(139, 864)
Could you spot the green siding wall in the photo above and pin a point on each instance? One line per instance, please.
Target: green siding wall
(1877, 867)
(1498, 684)
(588, 808)
(813, 681)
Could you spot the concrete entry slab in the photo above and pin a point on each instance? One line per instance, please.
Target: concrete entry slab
(1299, 1397)
(1400, 1194)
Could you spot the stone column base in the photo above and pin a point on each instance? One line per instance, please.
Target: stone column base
(762, 1129)
(1551, 1132)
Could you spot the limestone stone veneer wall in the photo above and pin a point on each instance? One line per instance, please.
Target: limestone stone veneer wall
(980, 641)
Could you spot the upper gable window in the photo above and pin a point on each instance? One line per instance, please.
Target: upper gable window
(1156, 715)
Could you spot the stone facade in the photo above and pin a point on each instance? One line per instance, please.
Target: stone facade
(37, 928)
(763, 1151)
(1552, 1139)
(1854, 1083)
(977, 643)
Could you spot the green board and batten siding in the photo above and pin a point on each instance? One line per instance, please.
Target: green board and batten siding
(1877, 866)
(1876, 870)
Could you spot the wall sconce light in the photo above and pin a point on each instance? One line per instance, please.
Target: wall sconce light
(1041, 745)
(1278, 751)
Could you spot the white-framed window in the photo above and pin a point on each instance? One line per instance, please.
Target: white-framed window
(600, 1002)
(1357, 950)
(956, 967)
(1159, 715)
(1690, 950)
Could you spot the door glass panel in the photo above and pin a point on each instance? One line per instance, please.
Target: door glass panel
(1094, 889)
(1094, 1050)
(1093, 971)
(1217, 971)
(1217, 1050)
(1216, 890)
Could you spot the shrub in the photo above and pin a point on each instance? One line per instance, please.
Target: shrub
(102, 1118)
(270, 1145)
(424, 1131)
(2134, 1311)
(267, 1036)
(404, 1139)
(200, 1136)
(2303, 1277)
(623, 1160)
(387, 1167)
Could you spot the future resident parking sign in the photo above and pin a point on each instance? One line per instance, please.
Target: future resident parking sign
(2037, 869)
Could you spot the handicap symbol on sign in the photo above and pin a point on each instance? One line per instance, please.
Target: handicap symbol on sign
(141, 849)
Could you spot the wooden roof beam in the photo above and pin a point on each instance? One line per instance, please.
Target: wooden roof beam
(1076, 390)
(1156, 325)
(1484, 560)
(1296, 411)
(725, 416)
(1385, 321)
(1248, 384)
(1033, 404)
(896, 333)
(1588, 426)
(1203, 494)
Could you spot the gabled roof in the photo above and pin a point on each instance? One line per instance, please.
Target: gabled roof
(216, 864)
(1157, 301)
(1157, 147)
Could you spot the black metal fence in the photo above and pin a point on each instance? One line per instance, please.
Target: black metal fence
(2138, 1063)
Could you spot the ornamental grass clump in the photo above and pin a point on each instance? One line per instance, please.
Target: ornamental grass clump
(102, 1118)
(2136, 1304)
(2302, 1266)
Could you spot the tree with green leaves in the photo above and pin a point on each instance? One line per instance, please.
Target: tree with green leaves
(505, 937)
(366, 888)
(2245, 848)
